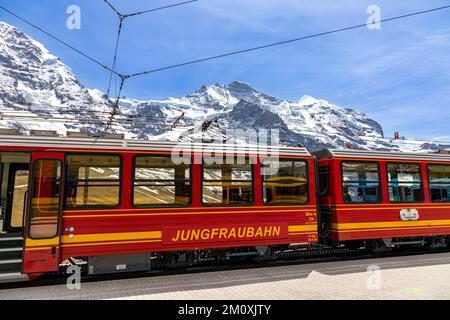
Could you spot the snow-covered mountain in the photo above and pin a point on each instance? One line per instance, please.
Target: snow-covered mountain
(33, 82)
(38, 91)
(311, 122)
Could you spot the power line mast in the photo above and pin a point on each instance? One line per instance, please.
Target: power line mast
(115, 108)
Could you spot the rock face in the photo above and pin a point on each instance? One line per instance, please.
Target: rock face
(35, 82)
(38, 91)
(309, 121)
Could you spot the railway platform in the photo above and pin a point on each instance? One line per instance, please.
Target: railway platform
(398, 278)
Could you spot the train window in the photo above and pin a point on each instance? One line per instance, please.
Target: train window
(160, 182)
(285, 181)
(405, 183)
(92, 181)
(361, 182)
(324, 180)
(228, 184)
(44, 211)
(439, 176)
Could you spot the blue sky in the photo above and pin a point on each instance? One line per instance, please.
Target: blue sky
(399, 75)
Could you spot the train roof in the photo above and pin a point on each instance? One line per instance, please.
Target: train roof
(116, 143)
(363, 154)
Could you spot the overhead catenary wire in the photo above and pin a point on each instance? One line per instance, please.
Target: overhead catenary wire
(119, 32)
(112, 69)
(105, 116)
(234, 52)
(287, 41)
(87, 56)
(122, 18)
(83, 120)
(124, 77)
(149, 10)
(159, 121)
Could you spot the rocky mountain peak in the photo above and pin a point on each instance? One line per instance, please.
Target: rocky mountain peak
(36, 83)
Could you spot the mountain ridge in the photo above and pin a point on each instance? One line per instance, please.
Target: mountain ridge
(34, 83)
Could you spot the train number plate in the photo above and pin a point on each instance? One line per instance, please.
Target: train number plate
(409, 214)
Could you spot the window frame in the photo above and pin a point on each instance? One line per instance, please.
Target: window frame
(308, 184)
(133, 181)
(421, 180)
(91, 207)
(62, 188)
(380, 184)
(252, 203)
(320, 192)
(429, 180)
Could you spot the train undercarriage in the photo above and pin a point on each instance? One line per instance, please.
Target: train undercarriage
(220, 257)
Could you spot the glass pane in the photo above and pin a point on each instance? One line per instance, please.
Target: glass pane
(404, 173)
(92, 181)
(440, 192)
(439, 183)
(227, 184)
(285, 182)
(227, 193)
(158, 181)
(439, 174)
(212, 174)
(405, 192)
(361, 182)
(405, 183)
(45, 198)
(285, 193)
(284, 170)
(242, 172)
(19, 195)
(213, 194)
(92, 195)
(155, 174)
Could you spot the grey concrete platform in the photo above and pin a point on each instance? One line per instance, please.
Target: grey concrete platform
(411, 277)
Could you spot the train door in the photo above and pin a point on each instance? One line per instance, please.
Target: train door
(16, 195)
(43, 220)
(14, 171)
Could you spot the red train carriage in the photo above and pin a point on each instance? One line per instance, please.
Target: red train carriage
(115, 203)
(384, 199)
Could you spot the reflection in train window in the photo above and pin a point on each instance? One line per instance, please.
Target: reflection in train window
(160, 182)
(405, 183)
(439, 176)
(228, 184)
(361, 182)
(44, 211)
(92, 181)
(284, 182)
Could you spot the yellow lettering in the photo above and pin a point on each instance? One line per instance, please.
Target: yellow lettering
(276, 231)
(226, 233)
(241, 234)
(195, 234)
(223, 233)
(175, 239)
(205, 234)
(215, 232)
(185, 235)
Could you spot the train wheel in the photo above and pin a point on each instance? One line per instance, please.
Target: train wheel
(377, 246)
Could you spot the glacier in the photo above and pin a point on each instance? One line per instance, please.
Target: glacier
(39, 92)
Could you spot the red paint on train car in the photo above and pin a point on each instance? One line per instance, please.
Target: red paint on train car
(126, 229)
(383, 219)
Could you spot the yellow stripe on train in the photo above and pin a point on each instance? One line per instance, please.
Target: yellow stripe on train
(389, 224)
